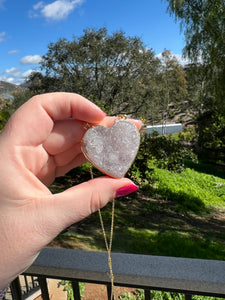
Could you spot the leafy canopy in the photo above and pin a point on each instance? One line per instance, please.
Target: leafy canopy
(203, 22)
(115, 71)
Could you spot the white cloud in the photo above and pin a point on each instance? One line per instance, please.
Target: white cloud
(2, 77)
(15, 72)
(28, 72)
(2, 36)
(30, 60)
(39, 5)
(10, 80)
(15, 75)
(13, 51)
(57, 10)
(12, 75)
(180, 58)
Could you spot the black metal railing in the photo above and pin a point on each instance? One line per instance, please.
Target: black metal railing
(23, 287)
(183, 275)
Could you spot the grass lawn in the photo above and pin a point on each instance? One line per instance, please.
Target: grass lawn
(179, 215)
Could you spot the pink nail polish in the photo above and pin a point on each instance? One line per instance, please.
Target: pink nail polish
(125, 190)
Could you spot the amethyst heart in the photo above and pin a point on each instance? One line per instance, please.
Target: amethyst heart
(112, 150)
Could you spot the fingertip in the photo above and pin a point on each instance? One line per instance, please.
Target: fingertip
(138, 123)
(126, 190)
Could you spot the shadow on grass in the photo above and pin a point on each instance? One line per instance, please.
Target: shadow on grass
(167, 243)
(151, 227)
(148, 226)
(183, 201)
(207, 168)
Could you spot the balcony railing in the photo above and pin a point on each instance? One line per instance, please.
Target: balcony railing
(184, 275)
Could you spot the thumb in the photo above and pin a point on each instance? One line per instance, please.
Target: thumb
(80, 201)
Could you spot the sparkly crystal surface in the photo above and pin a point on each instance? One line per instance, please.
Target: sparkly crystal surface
(112, 150)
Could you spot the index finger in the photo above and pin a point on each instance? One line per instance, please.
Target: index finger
(32, 123)
(65, 105)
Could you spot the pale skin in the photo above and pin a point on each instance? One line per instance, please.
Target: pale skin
(40, 142)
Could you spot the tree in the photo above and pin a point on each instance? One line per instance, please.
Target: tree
(115, 71)
(203, 22)
(172, 85)
(5, 111)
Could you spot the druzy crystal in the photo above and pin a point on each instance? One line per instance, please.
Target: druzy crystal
(112, 150)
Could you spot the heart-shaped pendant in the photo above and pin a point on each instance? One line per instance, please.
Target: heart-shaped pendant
(112, 150)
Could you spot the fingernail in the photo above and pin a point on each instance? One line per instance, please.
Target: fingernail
(139, 120)
(125, 190)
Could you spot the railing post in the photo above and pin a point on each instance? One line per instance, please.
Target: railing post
(16, 289)
(174, 274)
(26, 284)
(109, 292)
(76, 290)
(147, 294)
(44, 288)
(188, 297)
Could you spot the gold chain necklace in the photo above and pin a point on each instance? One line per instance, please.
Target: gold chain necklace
(108, 245)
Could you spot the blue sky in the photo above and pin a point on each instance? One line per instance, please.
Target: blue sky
(27, 27)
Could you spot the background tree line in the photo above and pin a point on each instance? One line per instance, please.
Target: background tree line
(123, 76)
(203, 23)
(117, 72)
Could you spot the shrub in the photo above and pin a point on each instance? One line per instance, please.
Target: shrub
(188, 135)
(211, 136)
(159, 151)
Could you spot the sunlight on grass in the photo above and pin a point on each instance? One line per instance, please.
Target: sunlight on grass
(193, 190)
(168, 243)
(173, 214)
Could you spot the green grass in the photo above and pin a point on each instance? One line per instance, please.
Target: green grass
(151, 227)
(190, 189)
(175, 214)
(168, 243)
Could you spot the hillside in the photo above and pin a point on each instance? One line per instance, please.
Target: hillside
(7, 89)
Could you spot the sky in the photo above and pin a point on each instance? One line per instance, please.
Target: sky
(28, 27)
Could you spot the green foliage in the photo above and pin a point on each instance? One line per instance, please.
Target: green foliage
(137, 295)
(114, 70)
(188, 135)
(204, 28)
(157, 295)
(191, 190)
(172, 85)
(5, 112)
(4, 116)
(68, 288)
(167, 241)
(161, 152)
(211, 135)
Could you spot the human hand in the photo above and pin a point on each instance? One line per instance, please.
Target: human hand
(42, 141)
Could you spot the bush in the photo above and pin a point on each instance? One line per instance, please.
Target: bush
(4, 116)
(188, 135)
(162, 152)
(211, 136)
